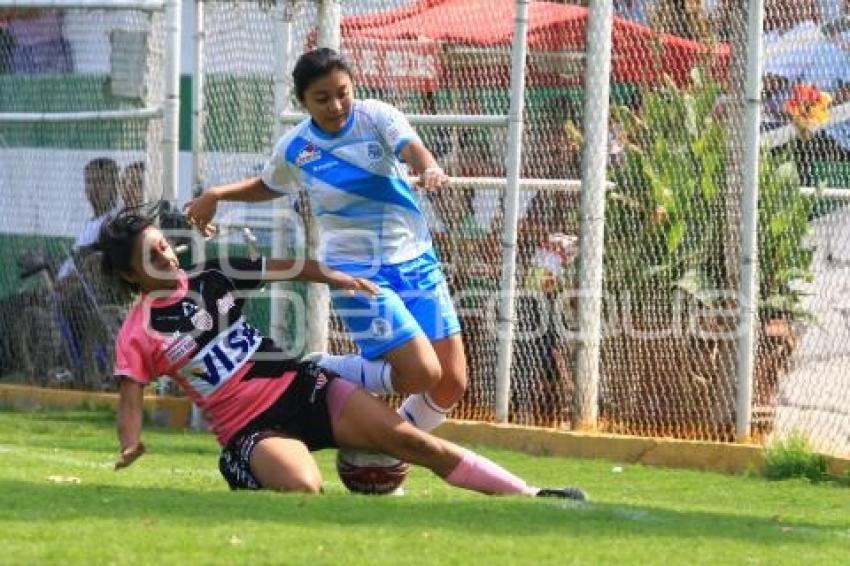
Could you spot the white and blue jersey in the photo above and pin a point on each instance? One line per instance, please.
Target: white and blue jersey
(371, 224)
(368, 213)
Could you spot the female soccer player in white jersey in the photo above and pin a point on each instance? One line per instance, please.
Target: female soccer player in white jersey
(349, 155)
(268, 412)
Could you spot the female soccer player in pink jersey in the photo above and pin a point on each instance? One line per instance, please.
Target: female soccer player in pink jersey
(349, 155)
(268, 412)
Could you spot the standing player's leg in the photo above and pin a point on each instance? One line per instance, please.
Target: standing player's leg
(430, 304)
(395, 355)
(427, 407)
(410, 343)
(360, 421)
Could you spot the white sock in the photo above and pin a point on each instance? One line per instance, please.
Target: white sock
(373, 376)
(421, 411)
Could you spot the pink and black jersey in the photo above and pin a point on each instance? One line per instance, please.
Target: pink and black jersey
(198, 336)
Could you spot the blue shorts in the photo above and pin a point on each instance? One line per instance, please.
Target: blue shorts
(414, 300)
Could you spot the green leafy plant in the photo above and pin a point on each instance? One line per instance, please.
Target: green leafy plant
(664, 222)
(668, 221)
(783, 224)
(793, 458)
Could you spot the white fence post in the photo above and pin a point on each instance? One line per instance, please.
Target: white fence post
(748, 294)
(171, 104)
(594, 161)
(283, 17)
(318, 297)
(198, 37)
(511, 203)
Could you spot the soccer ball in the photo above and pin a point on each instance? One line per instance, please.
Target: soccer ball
(370, 473)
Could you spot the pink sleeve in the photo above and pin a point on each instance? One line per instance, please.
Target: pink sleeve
(132, 357)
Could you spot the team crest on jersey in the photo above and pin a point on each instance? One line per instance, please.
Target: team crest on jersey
(375, 151)
(307, 155)
(202, 320)
(189, 308)
(225, 303)
(381, 328)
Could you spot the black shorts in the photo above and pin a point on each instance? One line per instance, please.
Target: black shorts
(301, 412)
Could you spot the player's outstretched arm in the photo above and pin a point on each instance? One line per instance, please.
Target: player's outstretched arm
(200, 211)
(423, 163)
(130, 410)
(311, 270)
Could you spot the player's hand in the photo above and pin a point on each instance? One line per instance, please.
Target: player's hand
(129, 455)
(354, 285)
(433, 178)
(200, 211)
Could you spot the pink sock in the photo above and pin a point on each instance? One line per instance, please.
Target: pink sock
(480, 474)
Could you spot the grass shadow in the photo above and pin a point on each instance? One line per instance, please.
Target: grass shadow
(34, 502)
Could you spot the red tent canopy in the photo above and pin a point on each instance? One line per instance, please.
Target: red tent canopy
(404, 44)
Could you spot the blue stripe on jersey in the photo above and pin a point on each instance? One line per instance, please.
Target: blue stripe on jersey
(401, 144)
(365, 211)
(340, 174)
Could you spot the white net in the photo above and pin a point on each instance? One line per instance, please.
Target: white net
(58, 178)
(806, 74)
(673, 235)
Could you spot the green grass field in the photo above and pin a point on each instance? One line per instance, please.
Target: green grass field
(171, 507)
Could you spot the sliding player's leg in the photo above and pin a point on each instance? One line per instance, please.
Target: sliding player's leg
(361, 421)
(266, 459)
(285, 464)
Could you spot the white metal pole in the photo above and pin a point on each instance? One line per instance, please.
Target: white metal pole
(513, 163)
(171, 104)
(330, 16)
(594, 161)
(199, 37)
(318, 298)
(146, 5)
(146, 113)
(283, 55)
(748, 293)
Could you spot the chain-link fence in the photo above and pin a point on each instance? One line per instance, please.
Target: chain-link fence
(79, 136)
(675, 222)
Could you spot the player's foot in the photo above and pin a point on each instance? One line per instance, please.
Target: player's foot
(574, 493)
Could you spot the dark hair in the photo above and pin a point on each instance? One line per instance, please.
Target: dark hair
(135, 167)
(314, 65)
(118, 236)
(101, 180)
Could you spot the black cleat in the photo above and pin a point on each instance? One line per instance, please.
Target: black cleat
(574, 493)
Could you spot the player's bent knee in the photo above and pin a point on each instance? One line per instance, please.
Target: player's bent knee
(417, 380)
(429, 376)
(455, 381)
(302, 483)
(283, 464)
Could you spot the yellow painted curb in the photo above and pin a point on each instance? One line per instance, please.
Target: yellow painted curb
(696, 455)
(173, 412)
(176, 412)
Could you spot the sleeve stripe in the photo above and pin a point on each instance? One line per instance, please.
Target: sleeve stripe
(402, 143)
